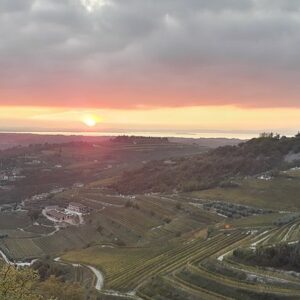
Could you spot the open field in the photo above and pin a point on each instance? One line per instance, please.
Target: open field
(13, 220)
(112, 260)
(17, 249)
(279, 193)
(257, 221)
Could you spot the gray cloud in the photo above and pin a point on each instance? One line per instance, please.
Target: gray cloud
(159, 52)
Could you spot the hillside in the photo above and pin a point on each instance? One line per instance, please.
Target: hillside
(217, 167)
(207, 142)
(9, 140)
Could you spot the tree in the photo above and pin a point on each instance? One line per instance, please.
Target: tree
(25, 284)
(18, 284)
(269, 135)
(57, 289)
(33, 215)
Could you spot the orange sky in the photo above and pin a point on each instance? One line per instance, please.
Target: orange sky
(203, 119)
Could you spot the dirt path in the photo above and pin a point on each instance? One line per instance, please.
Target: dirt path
(100, 282)
(18, 264)
(99, 276)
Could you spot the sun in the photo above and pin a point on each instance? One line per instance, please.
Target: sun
(90, 120)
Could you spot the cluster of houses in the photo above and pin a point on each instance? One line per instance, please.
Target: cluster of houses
(42, 196)
(11, 175)
(72, 214)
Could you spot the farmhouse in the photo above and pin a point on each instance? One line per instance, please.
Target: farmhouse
(3, 177)
(51, 207)
(57, 215)
(78, 207)
(60, 216)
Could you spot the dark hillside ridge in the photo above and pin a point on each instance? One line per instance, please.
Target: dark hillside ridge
(217, 167)
(137, 140)
(207, 142)
(10, 140)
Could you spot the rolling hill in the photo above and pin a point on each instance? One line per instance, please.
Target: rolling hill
(217, 167)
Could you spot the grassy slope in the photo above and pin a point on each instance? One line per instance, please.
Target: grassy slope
(256, 221)
(112, 260)
(281, 193)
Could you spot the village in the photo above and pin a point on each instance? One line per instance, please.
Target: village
(11, 175)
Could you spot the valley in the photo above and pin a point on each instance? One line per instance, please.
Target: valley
(168, 244)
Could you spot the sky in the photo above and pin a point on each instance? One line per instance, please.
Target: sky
(165, 65)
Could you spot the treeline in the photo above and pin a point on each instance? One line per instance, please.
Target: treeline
(9, 155)
(283, 256)
(125, 139)
(213, 168)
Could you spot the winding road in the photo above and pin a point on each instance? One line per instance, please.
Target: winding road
(99, 276)
(18, 264)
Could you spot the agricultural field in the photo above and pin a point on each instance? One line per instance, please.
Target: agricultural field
(215, 276)
(127, 276)
(13, 220)
(267, 220)
(279, 193)
(122, 238)
(193, 267)
(18, 249)
(111, 260)
(122, 221)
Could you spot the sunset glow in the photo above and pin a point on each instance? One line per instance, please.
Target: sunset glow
(90, 121)
(183, 65)
(226, 119)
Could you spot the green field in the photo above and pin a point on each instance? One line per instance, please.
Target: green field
(14, 220)
(280, 193)
(257, 221)
(126, 269)
(18, 249)
(111, 261)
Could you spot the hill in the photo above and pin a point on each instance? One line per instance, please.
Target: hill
(217, 167)
(207, 142)
(9, 140)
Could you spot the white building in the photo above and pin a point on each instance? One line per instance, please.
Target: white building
(78, 207)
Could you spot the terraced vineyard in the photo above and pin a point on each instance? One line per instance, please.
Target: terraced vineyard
(286, 233)
(212, 274)
(18, 248)
(132, 276)
(194, 267)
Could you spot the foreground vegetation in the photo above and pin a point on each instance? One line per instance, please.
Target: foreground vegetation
(25, 284)
(285, 256)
